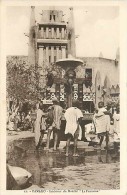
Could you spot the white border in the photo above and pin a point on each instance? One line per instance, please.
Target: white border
(123, 85)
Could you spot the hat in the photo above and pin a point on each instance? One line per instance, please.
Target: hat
(55, 99)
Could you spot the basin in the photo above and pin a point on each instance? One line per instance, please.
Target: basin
(69, 63)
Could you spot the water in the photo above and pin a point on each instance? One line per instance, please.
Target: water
(50, 168)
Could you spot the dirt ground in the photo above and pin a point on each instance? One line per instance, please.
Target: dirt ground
(97, 176)
(55, 171)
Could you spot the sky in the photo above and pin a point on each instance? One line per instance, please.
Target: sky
(97, 28)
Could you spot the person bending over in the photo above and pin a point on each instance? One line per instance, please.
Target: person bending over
(56, 112)
(73, 116)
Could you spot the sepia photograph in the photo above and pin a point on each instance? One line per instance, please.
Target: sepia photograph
(63, 98)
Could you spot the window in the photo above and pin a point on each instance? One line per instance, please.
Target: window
(50, 17)
(88, 73)
(49, 59)
(44, 32)
(88, 77)
(54, 58)
(54, 17)
(54, 33)
(49, 33)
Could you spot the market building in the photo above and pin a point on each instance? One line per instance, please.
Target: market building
(49, 41)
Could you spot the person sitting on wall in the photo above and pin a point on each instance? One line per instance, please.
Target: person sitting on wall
(54, 121)
(73, 116)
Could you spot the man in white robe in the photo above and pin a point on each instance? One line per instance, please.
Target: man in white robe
(101, 121)
(39, 130)
(73, 117)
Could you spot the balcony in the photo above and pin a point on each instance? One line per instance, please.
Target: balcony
(52, 24)
(52, 41)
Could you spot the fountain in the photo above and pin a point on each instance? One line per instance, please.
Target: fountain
(69, 64)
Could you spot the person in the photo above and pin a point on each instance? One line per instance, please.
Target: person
(73, 116)
(101, 121)
(116, 118)
(40, 126)
(33, 117)
(10, 125)
(54, 121)
(16, 121)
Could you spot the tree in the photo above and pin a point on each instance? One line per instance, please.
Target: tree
(21, 79)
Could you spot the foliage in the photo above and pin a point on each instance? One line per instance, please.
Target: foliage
(21, 79)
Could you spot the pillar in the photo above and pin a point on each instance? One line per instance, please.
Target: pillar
(47, 54)
(52, 54)
(41, 56)
(47, 32)
(57, 33)
(52, 33)
(42, 80)
(32, 41)
(57, 52)
(98, 92)
(42, 32)
(71, 30)
(63, 48)
(62, 36)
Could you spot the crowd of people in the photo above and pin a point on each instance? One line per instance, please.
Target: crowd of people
(20, 116)
(44, 119)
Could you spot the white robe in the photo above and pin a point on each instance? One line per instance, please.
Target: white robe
(116, 118)
(38, 126)
(72, 115)
(102, 122)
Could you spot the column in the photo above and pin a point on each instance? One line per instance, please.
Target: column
(52, 54)
(42, 81)
(52, 33)
(41, 55)
(57, 33)
(42, 32)
(63, 48)
(47, 32)
(62, 36)
(47, 54)
(57, 52)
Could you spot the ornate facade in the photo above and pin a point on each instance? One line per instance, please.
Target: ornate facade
(97, 79)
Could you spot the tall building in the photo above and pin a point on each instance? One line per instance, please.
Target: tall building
(53, 39)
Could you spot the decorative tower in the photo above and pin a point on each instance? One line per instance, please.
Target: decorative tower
(71, 35)
(32, 39)
(52, 41)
